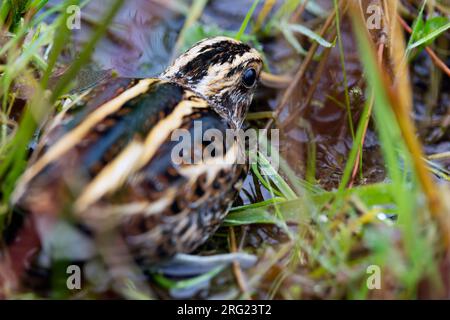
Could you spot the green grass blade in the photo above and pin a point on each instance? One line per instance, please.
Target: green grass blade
(247, 217)
(182, 284)
(264, 181)
(355, 147)
(273, 175)
(193, 15)
(59, 42)
(344, 70)
(258, 204)
(415, 29)
(287, 33)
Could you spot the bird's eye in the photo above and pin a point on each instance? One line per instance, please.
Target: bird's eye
(249, 77)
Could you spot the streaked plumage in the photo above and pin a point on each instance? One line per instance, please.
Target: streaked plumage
(109, 166)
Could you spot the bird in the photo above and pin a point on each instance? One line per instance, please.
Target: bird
(107, 162)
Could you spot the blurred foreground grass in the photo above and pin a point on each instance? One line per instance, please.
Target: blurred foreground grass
(333, 237)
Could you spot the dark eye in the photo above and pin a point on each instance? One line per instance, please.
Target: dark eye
(249, 77)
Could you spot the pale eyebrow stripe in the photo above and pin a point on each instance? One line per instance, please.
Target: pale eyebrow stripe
(220, 71)
(70, 139)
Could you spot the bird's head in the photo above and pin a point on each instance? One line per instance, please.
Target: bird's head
(222, 70)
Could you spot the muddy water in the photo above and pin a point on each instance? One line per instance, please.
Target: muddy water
(324, 121)
(140, 43)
